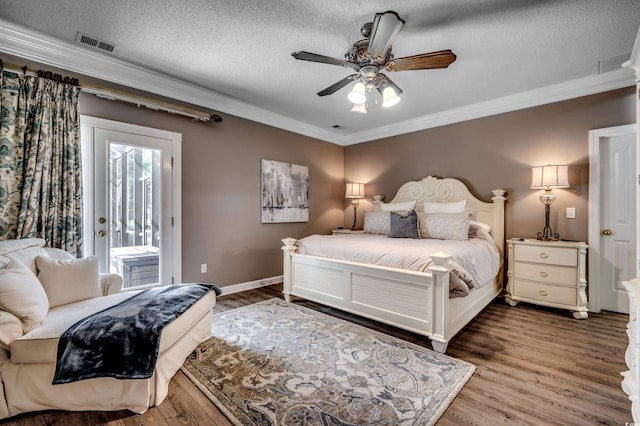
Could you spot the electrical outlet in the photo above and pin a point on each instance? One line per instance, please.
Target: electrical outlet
(571, 212)
(203, 268)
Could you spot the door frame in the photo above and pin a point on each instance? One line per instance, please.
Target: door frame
(176, 189)
(596, 137)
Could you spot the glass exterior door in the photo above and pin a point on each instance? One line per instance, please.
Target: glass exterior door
(129, 210)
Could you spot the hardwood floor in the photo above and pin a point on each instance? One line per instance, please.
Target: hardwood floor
(534, 366)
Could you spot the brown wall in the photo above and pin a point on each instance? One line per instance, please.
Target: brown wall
(221, 190)
(221, 173)
(498, 152)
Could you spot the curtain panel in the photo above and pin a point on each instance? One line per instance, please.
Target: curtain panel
(40, 164)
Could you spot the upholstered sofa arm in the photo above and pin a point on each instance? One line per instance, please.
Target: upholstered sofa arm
(111, 283)
(4, 410)
(57, 253)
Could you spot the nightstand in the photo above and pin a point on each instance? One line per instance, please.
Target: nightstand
(346, 231)
(549, 273)
(631, 382)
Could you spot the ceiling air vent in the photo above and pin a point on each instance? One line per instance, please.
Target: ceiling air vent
(95, 43)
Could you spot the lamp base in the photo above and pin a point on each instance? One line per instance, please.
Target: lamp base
(547, 234)
(354, 227)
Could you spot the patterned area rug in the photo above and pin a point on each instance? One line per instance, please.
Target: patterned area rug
(277, 363)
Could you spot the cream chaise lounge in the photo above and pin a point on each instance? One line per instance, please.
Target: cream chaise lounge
(28, 348)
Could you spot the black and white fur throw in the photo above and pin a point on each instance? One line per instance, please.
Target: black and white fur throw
(123, 340)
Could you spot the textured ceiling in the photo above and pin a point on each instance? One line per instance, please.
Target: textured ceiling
(241, 50)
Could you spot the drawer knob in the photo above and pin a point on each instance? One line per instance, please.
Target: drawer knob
(544, 255)
(543, 293)
(544, 274)
(634, 316)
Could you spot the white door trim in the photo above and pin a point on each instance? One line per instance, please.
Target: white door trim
(595, 137)
(176, 144)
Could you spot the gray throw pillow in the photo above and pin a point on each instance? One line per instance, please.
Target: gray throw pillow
(404, 226)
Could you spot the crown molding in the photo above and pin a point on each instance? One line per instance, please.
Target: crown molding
(634, 62)
(28, 44)
(546, 95)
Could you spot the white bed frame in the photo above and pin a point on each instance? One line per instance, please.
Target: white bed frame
(414, 301)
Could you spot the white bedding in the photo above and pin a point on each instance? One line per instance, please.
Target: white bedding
(475, 261)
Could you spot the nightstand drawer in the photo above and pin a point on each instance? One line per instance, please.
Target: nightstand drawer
(546, 273)
(549, 255)
(546, 293)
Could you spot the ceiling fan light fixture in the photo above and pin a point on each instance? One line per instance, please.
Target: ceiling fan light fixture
(389, 97)
(359, 108)
(357, 94)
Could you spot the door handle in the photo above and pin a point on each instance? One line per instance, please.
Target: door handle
(102, 233)
(606, 232)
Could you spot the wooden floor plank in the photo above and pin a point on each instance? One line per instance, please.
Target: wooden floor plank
(534, 366)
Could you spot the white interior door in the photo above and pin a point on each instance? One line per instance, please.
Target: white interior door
(613, 232)
(131, 211)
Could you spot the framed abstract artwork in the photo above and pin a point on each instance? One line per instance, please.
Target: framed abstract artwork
(285, 192)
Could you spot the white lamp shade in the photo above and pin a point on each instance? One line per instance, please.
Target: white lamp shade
(551, 176)
(357, 94)
(361, 108)
(389, 97)
(354, 190)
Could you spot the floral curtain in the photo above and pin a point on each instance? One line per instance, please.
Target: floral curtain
(40, 186)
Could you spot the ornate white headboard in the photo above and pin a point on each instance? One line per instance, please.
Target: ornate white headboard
(446, 190)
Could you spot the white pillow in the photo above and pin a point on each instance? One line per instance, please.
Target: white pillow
(69, 280)
(452, 207)
(22, 295)
(394, 207)
(444, 226)
(377, 223)
(480, 225)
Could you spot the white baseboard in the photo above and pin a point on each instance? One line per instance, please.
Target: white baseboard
(236, 288)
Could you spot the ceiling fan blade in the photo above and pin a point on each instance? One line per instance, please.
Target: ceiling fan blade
(314, 57)
(337, 86)
(381, 76)
(385, 29)
(424, 61)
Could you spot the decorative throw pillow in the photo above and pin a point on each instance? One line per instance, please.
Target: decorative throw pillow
(69, 280)
(22, 295)
(377, 223)
(24, 251)
(450, 207)
(444, 226)
(395, 207)
(404, 226)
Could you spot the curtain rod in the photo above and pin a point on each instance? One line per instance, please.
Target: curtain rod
(119, 95)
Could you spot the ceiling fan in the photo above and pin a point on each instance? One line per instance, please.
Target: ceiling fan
(369, 56)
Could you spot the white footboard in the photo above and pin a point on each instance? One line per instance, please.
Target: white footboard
(414, 301)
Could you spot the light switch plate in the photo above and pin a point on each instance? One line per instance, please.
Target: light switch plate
(571, 212)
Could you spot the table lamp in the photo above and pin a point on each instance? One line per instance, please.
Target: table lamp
(354, 191)
(549, 177)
